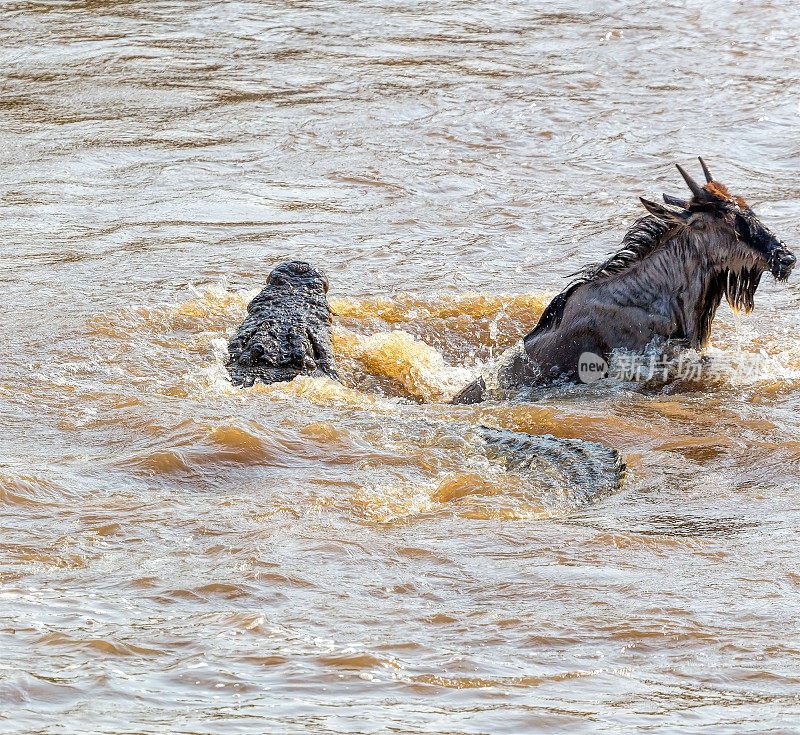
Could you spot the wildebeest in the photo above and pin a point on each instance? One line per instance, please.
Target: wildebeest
(287, 331)
(663, 285)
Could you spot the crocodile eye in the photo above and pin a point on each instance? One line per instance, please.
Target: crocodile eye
(300, 267)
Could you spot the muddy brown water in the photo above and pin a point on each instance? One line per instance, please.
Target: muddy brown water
(177, 556)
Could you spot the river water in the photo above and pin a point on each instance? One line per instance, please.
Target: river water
(179, 556)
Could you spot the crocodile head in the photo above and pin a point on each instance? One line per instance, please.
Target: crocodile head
(299, 274)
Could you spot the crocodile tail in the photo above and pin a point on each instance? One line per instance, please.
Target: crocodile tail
(586, 470)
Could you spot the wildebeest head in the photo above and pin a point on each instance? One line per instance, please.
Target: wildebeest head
(298, 273)
(737, 242)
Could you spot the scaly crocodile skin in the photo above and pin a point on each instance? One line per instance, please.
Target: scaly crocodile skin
(287, 331)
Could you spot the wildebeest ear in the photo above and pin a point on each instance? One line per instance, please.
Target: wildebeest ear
(676, 216)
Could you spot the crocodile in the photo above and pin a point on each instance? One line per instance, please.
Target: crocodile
(287, 331)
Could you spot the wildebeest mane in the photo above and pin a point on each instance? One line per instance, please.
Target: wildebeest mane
(738, 288)
(645, 235)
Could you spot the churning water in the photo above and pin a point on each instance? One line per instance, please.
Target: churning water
(179, 556)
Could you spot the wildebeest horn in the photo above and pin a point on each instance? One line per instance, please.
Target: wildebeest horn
(709, 177)
(690, 182)
(674, 201)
